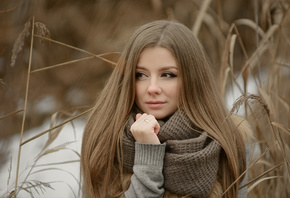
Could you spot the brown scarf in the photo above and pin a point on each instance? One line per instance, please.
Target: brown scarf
(191, 158)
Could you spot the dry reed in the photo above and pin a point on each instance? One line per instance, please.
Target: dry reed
(267, 110)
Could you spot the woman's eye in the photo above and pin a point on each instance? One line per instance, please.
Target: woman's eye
(168, 75)
(139, 75)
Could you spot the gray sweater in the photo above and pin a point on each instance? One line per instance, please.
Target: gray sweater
(147, 179)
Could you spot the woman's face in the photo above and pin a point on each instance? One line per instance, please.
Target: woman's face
(157, 82)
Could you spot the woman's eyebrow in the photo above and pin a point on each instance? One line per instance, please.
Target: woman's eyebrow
(169, 67)
(140, 67)
(162, 68)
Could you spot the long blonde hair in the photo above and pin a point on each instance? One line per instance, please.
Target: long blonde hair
(102, 141)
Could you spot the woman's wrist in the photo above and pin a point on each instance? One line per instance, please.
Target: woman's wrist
(149, 154)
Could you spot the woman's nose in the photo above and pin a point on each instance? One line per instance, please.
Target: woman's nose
(154, 87)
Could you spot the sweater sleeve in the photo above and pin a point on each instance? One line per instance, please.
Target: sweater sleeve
(147, 179)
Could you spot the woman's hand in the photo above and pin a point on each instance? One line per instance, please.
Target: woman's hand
(145, 129)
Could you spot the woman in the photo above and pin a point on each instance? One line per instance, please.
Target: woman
(159, 127)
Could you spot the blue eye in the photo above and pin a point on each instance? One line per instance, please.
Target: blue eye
(168, 75)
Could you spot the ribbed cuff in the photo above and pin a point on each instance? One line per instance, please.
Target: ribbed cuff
(149, 154)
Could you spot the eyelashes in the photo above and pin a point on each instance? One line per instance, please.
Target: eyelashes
(168, 75)
(140, 75)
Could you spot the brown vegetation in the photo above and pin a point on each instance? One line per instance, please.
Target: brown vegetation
(61, 52)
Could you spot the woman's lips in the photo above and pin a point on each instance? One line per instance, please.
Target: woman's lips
(155, 104)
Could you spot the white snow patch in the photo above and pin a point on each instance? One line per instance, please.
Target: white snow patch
(64, 175)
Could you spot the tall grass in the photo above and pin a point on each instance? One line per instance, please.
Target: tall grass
(262, 56)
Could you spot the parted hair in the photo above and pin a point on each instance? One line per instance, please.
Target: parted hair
(199, 98)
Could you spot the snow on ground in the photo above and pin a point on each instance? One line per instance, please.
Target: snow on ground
(64, 175)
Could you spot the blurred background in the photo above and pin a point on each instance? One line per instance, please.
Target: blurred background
(102, 26)
(249, 36)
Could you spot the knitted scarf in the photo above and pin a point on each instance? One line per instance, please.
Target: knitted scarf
(191, 158)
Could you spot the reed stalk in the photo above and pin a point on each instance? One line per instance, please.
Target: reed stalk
(25, 107)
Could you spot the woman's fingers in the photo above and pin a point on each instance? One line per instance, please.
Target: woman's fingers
(150, 120)
(145, 129)
(157, 128)
(138, 116)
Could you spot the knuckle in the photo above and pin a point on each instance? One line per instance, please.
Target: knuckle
(132, 128)
(151, 117)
